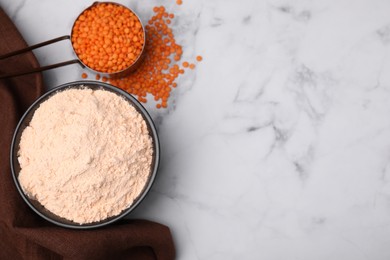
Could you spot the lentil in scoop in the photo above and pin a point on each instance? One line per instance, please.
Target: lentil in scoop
(108, 37)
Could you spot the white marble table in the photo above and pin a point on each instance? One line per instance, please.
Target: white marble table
(278, 145)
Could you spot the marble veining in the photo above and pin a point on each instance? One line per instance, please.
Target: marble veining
(277, 146)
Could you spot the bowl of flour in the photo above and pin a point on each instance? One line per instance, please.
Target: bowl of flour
(84, 155)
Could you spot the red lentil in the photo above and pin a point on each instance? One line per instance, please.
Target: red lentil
(108, 37)
(156, 74)
(158, 71)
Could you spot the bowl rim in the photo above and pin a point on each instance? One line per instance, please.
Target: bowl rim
(139, 107)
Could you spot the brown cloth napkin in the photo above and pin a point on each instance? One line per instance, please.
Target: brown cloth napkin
(23, 234)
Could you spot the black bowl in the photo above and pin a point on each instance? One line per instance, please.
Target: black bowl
(25, 121)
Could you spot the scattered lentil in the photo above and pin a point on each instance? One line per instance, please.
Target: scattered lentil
(158, 71)
(156, 74)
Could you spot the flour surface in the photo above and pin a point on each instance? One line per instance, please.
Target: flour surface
(86, 155)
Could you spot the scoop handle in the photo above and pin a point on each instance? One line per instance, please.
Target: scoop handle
(39, 69)
(34, 70)
(32, 47)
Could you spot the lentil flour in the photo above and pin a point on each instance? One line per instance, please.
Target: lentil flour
(86, 155)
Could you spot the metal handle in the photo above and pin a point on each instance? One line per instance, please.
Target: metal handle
(34, 70)
(10, 54)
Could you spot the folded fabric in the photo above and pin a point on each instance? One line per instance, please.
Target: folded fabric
(23, 234)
